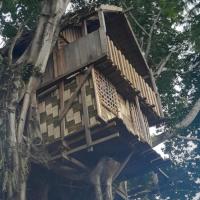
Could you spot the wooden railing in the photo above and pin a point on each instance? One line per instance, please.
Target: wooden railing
(128, 73)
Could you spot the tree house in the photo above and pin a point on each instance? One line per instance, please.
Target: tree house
(98, 97)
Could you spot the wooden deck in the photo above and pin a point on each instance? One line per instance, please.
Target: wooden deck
(117, 144)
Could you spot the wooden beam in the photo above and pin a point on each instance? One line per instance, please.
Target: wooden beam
(61, 98)
(109, 125)
(84, 27)
(102, 19)
(70, 102)
(110, 8)
(86, 119)
(115, 135)
(47, 91)
(97, 97)
(123, 165)
(75, 162)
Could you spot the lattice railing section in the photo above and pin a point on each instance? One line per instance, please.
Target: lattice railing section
(49, 109)
(113, 105)
(128, 73)
(49, 112)
(106, 92)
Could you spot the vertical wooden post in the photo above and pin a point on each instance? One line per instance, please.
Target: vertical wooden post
(84, 27)
(102, 19)
(141, 118)
(86, 119)
(156, 92)
(61, 98)
(60, 88)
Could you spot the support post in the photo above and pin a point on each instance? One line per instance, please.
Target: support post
(84, 27)
(102, 19)
(86, 119)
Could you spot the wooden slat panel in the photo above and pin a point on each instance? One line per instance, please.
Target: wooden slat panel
(121, 63)
(114, 54)
(84, 51)
(130, 75)
(134, 78)
(148, 92)
(143, 88)
(124, 65)
(117, 57)
(129, 71)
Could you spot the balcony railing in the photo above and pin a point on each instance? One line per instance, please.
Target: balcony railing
(128, 73)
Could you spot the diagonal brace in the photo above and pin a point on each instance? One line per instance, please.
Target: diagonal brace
(70, 102)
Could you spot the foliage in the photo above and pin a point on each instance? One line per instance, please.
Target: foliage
(16, 12)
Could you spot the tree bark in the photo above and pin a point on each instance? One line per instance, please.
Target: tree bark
(36, 54)
(102, 178)
(189, 118)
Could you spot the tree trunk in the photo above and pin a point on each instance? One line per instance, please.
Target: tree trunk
(102, 178)
(37, 54)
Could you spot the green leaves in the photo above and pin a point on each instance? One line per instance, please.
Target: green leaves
(16, 12)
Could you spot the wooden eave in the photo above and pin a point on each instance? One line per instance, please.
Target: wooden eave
(121, 33)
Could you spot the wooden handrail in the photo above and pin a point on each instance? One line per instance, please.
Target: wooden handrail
(128, 73)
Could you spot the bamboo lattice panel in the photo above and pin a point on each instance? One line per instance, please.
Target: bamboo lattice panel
(106, 92)
(73, 119)
(49, 110)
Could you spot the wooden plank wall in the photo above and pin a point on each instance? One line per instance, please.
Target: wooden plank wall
(84, 51)
(74, 51)
(70, 35)
(56, 63)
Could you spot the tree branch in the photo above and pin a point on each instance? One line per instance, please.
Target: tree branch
(23, 57)
(40, 51)
(13, 43)
(186, 121)
(133, 18)
(150, 35)
(189, 118)
(189, 138)
(162, 64)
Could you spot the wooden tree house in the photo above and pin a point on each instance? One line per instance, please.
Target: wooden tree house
(98, 97)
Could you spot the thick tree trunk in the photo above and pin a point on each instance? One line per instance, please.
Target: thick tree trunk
(102, 178)
(37, 55)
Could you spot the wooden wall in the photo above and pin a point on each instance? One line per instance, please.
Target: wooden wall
(111, 105)
(50, 108)
(75, 52)
(102, 102)
(56, 65)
